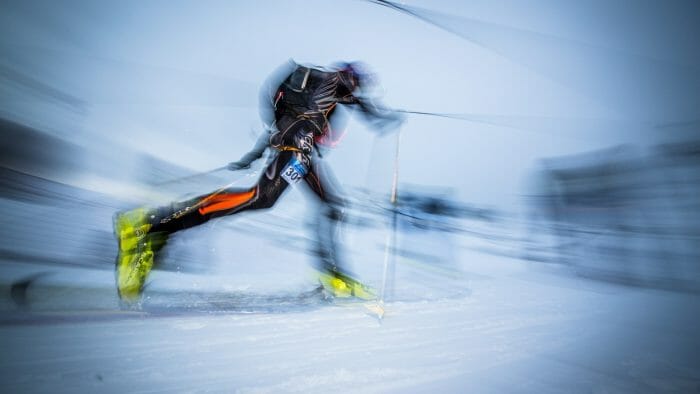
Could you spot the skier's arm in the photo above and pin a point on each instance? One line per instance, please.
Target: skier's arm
(379, 116)
(255, 153)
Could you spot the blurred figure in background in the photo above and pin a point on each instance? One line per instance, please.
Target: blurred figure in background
(298, 106)
(621, 214)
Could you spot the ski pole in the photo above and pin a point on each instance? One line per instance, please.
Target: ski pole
(390, 246)
(467, 117)
(188, 177)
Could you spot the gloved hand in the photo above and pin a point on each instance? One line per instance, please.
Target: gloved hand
(237, 165)
(388, 122)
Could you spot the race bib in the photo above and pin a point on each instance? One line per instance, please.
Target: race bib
(294, 171)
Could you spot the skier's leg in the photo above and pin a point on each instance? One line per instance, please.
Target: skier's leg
(143, 232)
(333, 272)
(330, 214)
(182, 215)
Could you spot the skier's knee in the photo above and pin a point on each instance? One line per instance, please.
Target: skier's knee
(265, 203)
(335, 213)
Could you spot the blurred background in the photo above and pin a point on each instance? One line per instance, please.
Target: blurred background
(548, 214)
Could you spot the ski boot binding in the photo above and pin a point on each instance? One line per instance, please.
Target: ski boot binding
(340, 285)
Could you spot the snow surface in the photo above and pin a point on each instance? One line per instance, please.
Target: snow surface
(482, 322)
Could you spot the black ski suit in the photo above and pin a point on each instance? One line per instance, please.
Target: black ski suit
(299, 113)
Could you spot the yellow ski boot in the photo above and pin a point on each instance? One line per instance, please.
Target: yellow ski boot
(136, 251)
(343, 286)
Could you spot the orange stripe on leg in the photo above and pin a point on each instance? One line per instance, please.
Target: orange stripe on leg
(226, 201)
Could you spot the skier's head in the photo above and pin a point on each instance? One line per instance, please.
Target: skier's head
(358, 72)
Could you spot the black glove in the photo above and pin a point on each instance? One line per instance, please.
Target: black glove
(237, 165)
(387, 122)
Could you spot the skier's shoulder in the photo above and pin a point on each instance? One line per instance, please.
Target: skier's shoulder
(313, 72)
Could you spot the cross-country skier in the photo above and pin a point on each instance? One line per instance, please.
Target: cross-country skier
(298, 106)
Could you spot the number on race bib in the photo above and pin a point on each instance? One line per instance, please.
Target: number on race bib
(294, 171)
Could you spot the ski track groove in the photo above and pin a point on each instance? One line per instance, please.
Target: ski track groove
(513, 325)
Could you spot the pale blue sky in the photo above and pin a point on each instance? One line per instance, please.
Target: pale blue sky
(179, 79)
